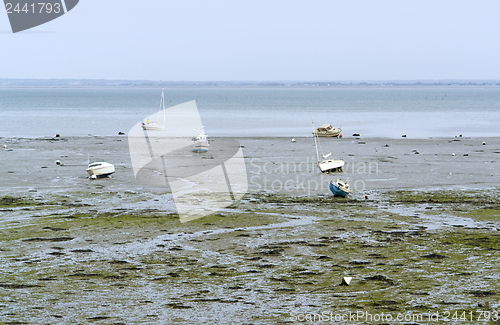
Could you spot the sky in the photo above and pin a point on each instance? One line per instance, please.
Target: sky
(219, 40)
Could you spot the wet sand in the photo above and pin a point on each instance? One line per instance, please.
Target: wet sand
(378, 164)
(113, 251)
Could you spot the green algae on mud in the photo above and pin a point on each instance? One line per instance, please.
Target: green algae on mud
(256, 261)
(447, 196)
(14, 202)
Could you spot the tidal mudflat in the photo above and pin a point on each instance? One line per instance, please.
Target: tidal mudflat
(111, 252)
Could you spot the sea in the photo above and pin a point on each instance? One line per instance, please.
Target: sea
(371, 111)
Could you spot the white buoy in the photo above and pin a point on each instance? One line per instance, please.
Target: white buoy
(5, 146)
(58, 162)
(484, 143)
(453, 154)
(293, 139)
(346, 280)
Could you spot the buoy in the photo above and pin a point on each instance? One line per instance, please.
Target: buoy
(460, 135)
(453, 154)
(293, 139)
(386, 145)
(484, 143)
(403, 136)
(5, 146)
(366, 197)
(340, 135)
(58, 162)
(346, 280)
(58, 135)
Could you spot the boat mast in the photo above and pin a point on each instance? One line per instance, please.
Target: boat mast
(162, 102)
(314, 134)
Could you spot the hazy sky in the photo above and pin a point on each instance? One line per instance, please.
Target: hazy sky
(260, 40)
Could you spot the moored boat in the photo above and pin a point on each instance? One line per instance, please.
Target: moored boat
(327, 130)
(100, 168)
(156, 125)
(339, 188)
(201, 142)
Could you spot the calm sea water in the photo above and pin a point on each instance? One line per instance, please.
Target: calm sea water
(419, 112)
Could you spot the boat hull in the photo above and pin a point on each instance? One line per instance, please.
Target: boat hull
(101, 171)
(335, 132)
(201, 147)
(153, 127)
(337, 191)
(327, 166)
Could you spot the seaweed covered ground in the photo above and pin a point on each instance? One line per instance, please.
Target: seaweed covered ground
(77, 258)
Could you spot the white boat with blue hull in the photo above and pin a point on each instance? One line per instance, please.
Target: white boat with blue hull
(340, 188)
(201, 142)
(100, 168)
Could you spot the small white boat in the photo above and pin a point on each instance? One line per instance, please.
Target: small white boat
(100, 168)
(201, 142)
(340, 188)
(325, 166)
(156, 125)
(327, 130)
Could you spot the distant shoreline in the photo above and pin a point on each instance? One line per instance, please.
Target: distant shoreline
(102, 83)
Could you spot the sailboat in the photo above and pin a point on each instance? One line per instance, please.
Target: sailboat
(340, 188)
(156, 125)
(201, 142)
(326, 166)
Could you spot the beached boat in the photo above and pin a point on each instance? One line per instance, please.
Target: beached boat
(201, 142)
(100, 168)
(156, 125)
(327, 130)
(339, 188)
(326, 165)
